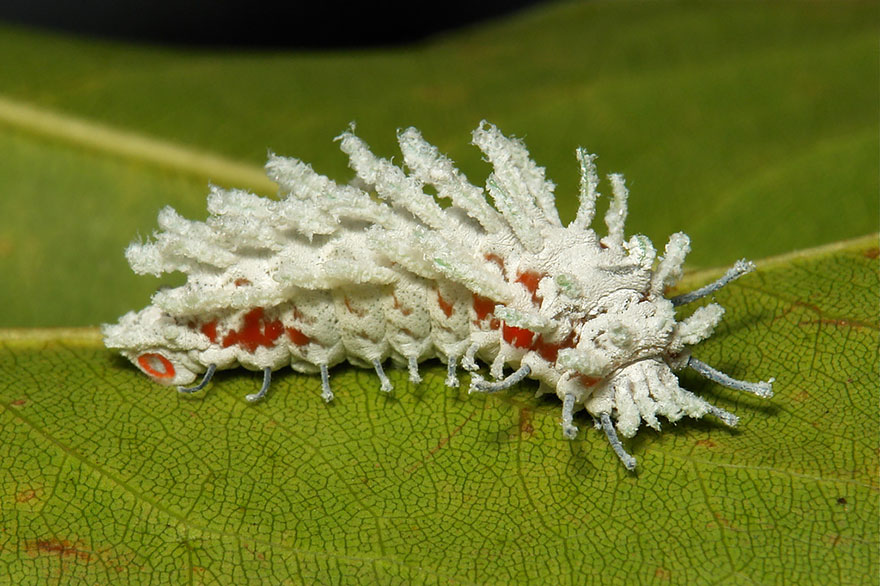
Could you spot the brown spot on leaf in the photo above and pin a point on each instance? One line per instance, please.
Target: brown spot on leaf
(525, 422)
(26, 495)
(841, 500)
(872, 252)
(662, 574)
(19, 402)
(706, 443)
(801, 396)
(59, 547)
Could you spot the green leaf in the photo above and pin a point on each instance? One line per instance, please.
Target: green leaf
(740, 124)
(108, 478)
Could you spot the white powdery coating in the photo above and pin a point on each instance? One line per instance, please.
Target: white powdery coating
(332, 272)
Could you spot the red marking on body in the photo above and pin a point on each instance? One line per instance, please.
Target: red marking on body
(399, 307)
(530, 280)
(492, 257)
(518, 337)
(444, 305)
(241, 282)
(353, 309)
(210, 330)
(483, 307)
(589, 381)
(297, 337)
(156, 365)
(550, 351)
(255, 331)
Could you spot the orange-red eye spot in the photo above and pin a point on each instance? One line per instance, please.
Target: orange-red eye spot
(444, 305)
(241, 282)
(156, 365)
(519, 337)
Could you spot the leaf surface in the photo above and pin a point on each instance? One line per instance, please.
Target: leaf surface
(108, 478)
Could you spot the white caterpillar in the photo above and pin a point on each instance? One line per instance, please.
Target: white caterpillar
(328, 273)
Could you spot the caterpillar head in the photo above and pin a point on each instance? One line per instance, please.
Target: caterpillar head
(154, 342)
(607, 308)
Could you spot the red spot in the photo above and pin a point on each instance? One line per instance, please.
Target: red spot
(255, 332)
(548, 351)
(210, 330)
(241, 282)
(352, 309)
(519, 337)
(530, 280)
(403, 310)
(589, 381)
(297, 337)
(483, 307)
(492, 257)
(444, 305)
(156, 365)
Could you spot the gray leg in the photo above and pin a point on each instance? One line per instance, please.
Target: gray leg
(326, 393)
(479, 385)
(451, 379)
(414, 370)
(212, 368)
(726, 417)
(739, 269)
(628, 461)
(467, 361)
(267, 378)
(762, 389)
(386, 386)
(569, 430)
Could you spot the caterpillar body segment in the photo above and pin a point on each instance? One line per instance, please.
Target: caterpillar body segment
(331, 273)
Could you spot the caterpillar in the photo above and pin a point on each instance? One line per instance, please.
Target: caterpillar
(377, 269)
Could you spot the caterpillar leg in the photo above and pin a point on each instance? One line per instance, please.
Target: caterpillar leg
(451, 379)
(467, 361)
(212, 368)
(762, 389)
(413, 365)
(497, 368)
(326, 393)
(726, 417)
(569, 429)
(628, 461)
(478, 385)
(386, 386)
(267, 378)
(740, 268)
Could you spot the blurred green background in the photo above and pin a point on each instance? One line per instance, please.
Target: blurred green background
(750, 126)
